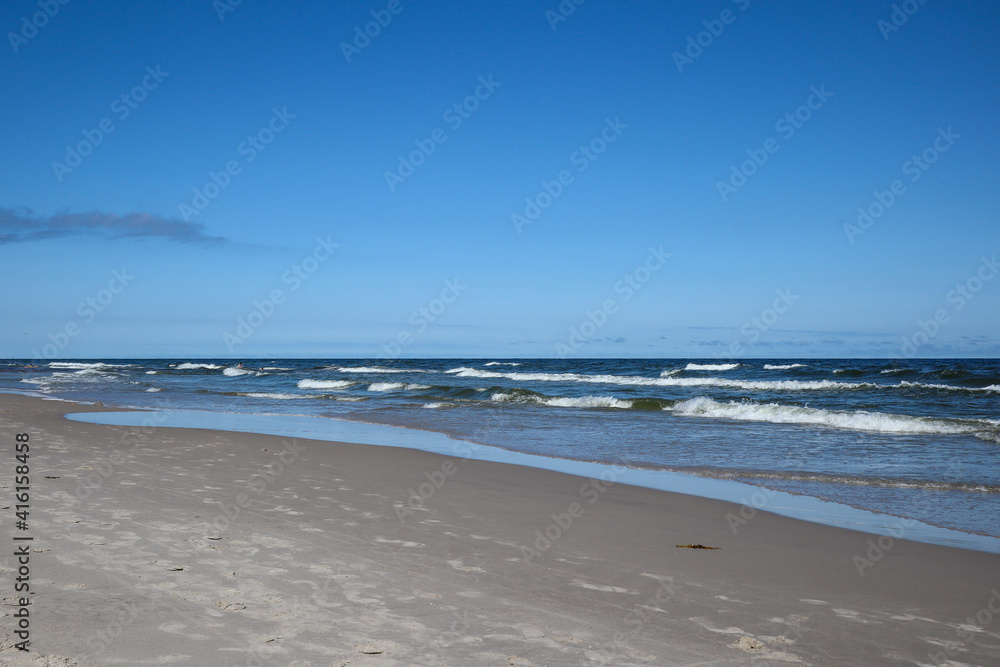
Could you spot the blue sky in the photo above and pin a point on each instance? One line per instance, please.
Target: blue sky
(451, 259)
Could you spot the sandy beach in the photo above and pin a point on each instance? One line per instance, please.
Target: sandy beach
(175, 546)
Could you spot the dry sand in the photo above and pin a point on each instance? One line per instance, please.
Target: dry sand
(134, 561)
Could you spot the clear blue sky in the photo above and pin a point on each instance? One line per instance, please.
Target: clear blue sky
(673, 129)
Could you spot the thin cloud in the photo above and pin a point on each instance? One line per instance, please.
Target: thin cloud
(23, 226)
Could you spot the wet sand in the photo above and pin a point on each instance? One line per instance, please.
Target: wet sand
(179, 546)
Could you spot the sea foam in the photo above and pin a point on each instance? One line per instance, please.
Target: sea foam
(878, 422)
(562, 402)
(633, 380)
(323, 384)
(232, 371)
(726, 383)
(372, 369)
(393, 386)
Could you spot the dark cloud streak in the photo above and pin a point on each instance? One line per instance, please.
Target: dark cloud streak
(23, 226)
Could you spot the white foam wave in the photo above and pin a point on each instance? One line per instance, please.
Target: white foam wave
(232, 371)
(629, 380)
(323, 384)
(154, 389)
(89, 371)
(782, 367)
(82, 375)
(277, 395)
(371, 369)
(710, 367)
(437, 405)
(855, 481)
(946, 387)
(587, 402)
(888, 371)
(72, 365)
(188, 366)
(152, 372)
(563, 402)
(502, 363)
(759, 385)
(386, 386)
(275, 368)
(393, 386)
(775, 413)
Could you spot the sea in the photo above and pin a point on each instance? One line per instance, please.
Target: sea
(914, 439)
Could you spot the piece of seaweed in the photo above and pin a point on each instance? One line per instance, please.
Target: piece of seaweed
(695, 546)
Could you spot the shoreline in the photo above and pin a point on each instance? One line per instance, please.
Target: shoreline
(844, 432)
(750, 498)
(207, 545)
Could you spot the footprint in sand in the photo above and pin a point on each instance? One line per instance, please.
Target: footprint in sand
(227, 605)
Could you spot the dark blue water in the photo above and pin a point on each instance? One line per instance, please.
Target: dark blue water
(917, 439)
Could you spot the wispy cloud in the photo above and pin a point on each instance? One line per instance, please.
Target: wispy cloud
(22, 225)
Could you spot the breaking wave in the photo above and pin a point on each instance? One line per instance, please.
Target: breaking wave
(79, 365)
(634, 380)
(232, 371)
(393, 386)
(561, 402)
(373, 369)
(276, 395)
(667, 380)
(877, 422)
(323, 384)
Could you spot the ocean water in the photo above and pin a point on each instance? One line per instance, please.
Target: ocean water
(918, 439)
